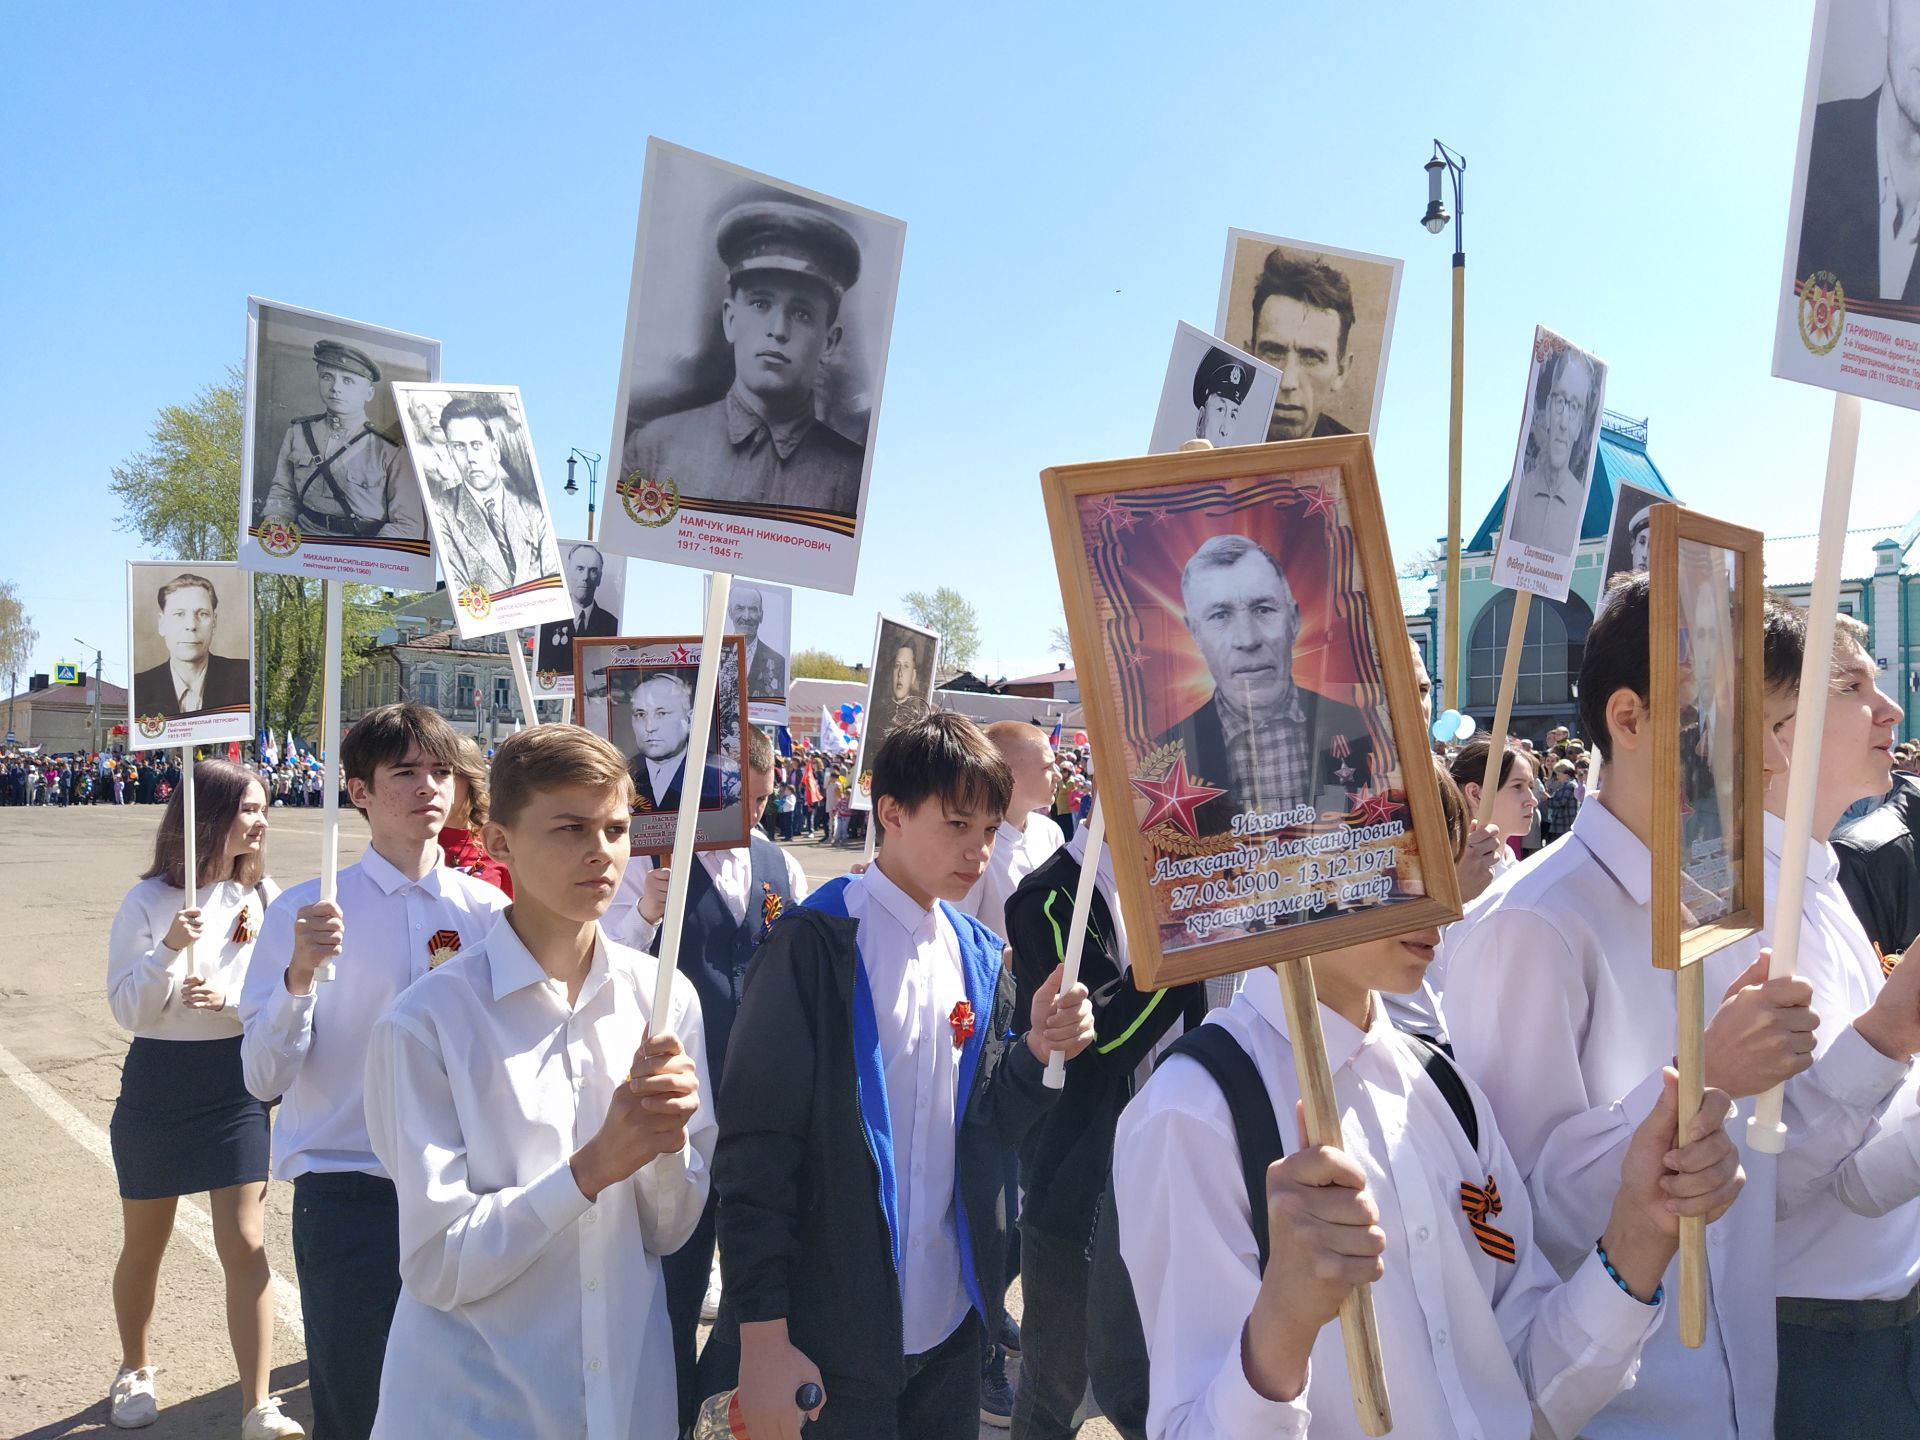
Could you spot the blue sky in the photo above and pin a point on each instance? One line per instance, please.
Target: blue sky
(1067, 174)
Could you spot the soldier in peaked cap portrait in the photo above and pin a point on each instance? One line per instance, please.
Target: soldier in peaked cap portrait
(788, 267)
(1220, 388)
(336, 475)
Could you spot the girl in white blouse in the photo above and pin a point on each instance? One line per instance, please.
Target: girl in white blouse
(184, 1123)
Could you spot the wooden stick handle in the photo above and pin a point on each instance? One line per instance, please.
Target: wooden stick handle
(1690, 1049)
(1765, 1130)
(330, 743)
(1503, 710)
(1056, 1074)
(1359, 1330)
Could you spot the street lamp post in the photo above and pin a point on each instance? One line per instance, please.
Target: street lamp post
(593, 479)
(1453, 164)
(95, 722)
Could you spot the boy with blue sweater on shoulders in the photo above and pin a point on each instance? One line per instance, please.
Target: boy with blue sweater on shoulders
(874, 1081)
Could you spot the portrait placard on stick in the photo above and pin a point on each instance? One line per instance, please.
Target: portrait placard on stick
(1704, 701)
(762, 615)
(1552, 468)
(326, 485)
(1223, 608)
(749, 396)
(596, 590)
(1849, 297)
(1321, 315)
(1630, 532)
(491, 526)
(1214, 392)
(190, 647)
(639, 694)
(899, 691)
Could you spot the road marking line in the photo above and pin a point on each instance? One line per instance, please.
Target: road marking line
(190, 1219)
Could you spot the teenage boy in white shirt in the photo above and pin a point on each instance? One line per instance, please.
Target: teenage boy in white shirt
(543, 1119)
(1479, 1337)
(1556, 1010)
(400, 912)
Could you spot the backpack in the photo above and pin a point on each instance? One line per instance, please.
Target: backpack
(1116, 1342)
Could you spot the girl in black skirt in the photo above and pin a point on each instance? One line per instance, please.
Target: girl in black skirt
(184, 1123)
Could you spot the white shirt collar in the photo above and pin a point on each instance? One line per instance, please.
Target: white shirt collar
(897, 903)
(1617, 849)
(1344, 1039)
(515, 968)
(662, 772)
(1823, 861)
(387, 876)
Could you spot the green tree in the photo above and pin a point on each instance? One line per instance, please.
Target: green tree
(181, 496)
(17, 638)
(947, 612)
(821, 665)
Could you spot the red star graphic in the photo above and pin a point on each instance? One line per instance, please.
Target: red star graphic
(1321, 501)
(1106, 508)
(681, 655)
(1375, 809)
(1159, 514)
(1175, 798)
(1126, 520)
(1135, 659)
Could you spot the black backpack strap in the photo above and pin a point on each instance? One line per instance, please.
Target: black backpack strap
(1437, 1061)
(1248, 1102)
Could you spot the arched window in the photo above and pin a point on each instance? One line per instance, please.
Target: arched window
(1549, 657)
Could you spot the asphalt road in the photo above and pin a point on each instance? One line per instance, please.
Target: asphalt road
(62, 875)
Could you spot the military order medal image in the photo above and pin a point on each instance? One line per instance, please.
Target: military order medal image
(326, 486)
(1213, 392)
(757, 334)
(1250, 719)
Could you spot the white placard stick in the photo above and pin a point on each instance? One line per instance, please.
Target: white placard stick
(1056, 1076)
(190, 865)
(330, 768)
(692, 783)
(566, 709)
(1764, 1130)
(873, 836)
(522, 682)
(1503, 709)
(1359, 1329)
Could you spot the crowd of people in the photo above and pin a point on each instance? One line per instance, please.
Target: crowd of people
(33, 779)
(524, 1186)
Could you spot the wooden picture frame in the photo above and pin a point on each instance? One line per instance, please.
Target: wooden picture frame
(1692, 915)
(1375, 858)
(597, 660)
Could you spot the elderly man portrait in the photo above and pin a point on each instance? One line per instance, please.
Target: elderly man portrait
(766, 666)
(192, 678)
(336, 475)
(585, 568)
(662, 705)
(1861, 220)
(1302, 323)
(496, 532)
(789, 266)
(1549, 502)
(1269, 742)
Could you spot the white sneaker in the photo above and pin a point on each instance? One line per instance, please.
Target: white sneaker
(710, 1306)
(265, 1422)
(131, 1403)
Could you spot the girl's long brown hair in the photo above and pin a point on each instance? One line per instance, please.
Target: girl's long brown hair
(220, 788)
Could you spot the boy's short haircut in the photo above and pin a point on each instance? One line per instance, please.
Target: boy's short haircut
(1784, 643)
(385, 734)
(1615, 657)
(943, 755)
(759, 751)
(547, 757)
(471, 766)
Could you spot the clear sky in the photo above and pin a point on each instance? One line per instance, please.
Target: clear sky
(1067, 175)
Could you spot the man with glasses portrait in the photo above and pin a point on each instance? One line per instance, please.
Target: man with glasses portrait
(1548, 502)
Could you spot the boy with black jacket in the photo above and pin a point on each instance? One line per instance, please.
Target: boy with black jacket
(1065, 1157)
(873, 1082)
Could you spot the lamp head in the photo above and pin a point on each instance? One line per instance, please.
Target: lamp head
(1436, 217)
(570, 487)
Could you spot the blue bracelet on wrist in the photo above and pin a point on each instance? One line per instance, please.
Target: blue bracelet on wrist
(1659, 1291)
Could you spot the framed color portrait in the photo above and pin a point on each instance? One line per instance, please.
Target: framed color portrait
(1705, 692)
(638, 694)
(1249, 689)
(190, 643)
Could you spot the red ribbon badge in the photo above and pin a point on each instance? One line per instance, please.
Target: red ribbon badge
(1481, 1206)
(962, 1022)
(442, 946)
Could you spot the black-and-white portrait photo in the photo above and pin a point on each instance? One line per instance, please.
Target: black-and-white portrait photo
(1553, 467)
(639, 694)
(899, 692)
(190, 646)
(757, 336)
(1630, 537)
(596, 588)
(1213, 392)
(1321, 316)
(327, 487)
(491, 528)
(762, 615)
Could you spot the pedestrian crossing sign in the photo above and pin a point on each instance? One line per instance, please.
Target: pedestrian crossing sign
(66, 674)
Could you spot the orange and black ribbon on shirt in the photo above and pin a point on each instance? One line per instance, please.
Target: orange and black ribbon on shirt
(1481, 1206)
(243, 927)
(770, 907)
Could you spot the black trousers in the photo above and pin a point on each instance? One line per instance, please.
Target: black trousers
(686, 1272)
(1053, 1337)
(941, 1401)
(346, 1253)
(1836, 1386)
